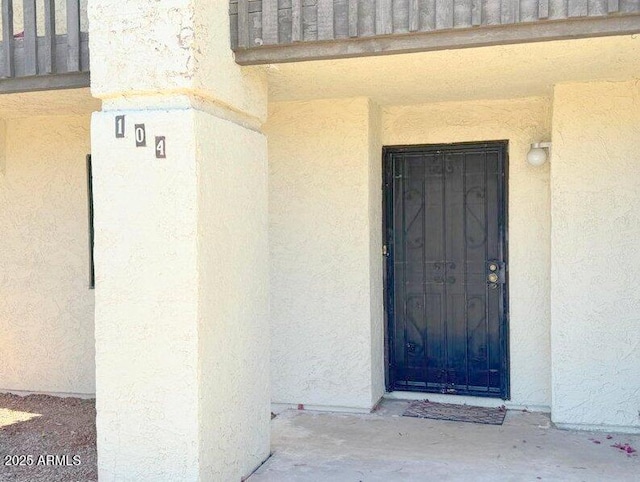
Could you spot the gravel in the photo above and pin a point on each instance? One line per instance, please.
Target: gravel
(59, 435)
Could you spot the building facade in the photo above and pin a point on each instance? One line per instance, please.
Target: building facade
(317, 203)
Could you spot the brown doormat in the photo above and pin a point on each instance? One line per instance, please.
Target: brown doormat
(455, 413)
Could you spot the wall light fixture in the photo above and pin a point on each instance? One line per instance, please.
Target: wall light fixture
(539, 153)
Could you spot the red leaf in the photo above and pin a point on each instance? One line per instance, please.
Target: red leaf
(625, 448)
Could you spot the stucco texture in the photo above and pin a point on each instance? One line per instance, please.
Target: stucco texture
(595, 258)
(233, 327)
(325, 234)
(484, 73)
(182, 246)
(323, 228)
(181, 47)
(376, 265)
(46, 306)
(520, 121)
(146, 300)
(181, 259)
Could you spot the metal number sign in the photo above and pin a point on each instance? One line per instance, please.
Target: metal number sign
(141, 135)
(161, 146)
(119, 126)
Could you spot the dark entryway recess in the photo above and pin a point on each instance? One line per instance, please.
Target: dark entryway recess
(446, 268)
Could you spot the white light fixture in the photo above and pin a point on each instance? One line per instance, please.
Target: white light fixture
(539, 153)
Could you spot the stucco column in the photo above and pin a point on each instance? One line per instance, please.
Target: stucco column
(595, 263)
(180, 195)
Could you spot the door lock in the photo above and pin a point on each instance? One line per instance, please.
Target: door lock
(495, 273)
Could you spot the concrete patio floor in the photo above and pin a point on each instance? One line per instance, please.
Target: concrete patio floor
(383, 446)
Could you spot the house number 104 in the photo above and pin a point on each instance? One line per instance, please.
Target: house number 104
(140, 134)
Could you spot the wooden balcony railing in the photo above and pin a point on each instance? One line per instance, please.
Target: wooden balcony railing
(43, 45)
(268, 31)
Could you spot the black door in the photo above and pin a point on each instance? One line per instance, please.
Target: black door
(446, 273)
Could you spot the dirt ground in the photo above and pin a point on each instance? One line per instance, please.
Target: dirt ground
(45, 438)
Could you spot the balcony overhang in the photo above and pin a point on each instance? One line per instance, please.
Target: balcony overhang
(33, 58)
(264, 33)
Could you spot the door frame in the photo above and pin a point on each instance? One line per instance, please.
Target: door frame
(387, 238)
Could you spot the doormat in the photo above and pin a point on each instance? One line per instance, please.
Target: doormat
(455, 413)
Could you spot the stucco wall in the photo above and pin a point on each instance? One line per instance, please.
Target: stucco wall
(520, 121)
(3, 146)
(181, 47)
(323, 311)
(325, 236)
(181, 260)
(146, 300)
(595, 177)
(233, 299)
(183, 251)
(46, 306)
(376, 265)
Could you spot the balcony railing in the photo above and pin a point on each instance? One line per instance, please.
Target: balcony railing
(45, 45)
(268, 31)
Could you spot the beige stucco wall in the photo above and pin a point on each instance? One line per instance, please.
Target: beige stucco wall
(376, 265)
(46, 306)
(324, 223)
(3, 146)
(595, 174)
(182, 253)
(520, 121)
(181, 266)
(325, 234)
(181, 48)
(146, 300)
(233, 326)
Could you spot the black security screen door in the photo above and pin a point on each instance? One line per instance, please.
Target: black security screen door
(446, 276)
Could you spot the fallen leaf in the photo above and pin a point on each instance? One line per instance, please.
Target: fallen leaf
(625, 448)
